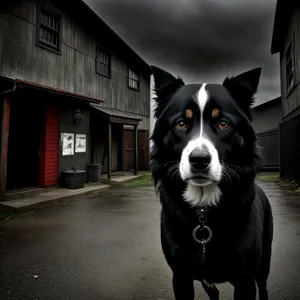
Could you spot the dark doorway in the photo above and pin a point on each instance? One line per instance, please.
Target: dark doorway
(25, 129)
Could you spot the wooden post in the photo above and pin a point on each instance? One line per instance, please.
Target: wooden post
(122, 154)
(4, 146)
(135, 159)
(279, 146)
(109, 152)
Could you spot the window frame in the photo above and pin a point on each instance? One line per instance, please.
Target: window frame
(41, 42)
(99, 49)
(130, 78)
(289, 48)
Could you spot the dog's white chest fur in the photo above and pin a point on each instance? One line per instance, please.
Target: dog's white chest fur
(198, 196)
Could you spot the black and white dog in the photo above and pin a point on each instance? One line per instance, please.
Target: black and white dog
(216, 223)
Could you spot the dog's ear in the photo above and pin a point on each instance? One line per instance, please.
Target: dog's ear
(165, 85)
(243, 87)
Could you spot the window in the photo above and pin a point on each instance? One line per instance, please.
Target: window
(289, 67)
(103, 62)
(48, 29)
(133, 80)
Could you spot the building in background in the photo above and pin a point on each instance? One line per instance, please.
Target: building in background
(286, 43)
(266, 119)
(72, 93)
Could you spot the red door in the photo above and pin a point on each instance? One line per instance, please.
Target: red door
(48, 167)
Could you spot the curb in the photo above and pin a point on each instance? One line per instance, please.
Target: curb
(16, 206)
(26, 207)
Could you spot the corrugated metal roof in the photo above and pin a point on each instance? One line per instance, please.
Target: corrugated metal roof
(115, 113)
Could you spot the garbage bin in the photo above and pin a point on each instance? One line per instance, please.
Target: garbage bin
(74, 179)
(93, 172)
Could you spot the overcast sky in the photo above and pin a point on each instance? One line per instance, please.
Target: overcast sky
(199, 40)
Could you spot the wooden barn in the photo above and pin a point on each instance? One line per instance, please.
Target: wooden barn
(266, 119)
(286, 43)
(72, 93)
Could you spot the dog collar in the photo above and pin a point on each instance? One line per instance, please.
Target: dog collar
(200, 229)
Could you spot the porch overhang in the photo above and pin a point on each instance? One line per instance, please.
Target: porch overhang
(116, 116)
(122, 118)
(20, 83)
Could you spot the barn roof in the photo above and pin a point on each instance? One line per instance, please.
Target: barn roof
(267, 104)
(284, 9)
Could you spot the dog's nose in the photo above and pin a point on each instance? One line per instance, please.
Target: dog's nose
(200, 159)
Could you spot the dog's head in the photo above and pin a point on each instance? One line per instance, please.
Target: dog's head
(203, 135)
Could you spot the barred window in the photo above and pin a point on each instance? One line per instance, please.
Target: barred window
(133, 80)
(103, 62)
(49, 28)
(289, 67)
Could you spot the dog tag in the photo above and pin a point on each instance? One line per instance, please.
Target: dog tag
(202, 255)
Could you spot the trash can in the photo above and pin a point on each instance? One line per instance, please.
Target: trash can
(93, 172)
(74, 179)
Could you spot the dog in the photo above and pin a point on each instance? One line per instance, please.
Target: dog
(216, 222)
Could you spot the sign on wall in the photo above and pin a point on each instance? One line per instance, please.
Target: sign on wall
(67, 144)
(80, 143)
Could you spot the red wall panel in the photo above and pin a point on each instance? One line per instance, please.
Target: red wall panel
(48, 174)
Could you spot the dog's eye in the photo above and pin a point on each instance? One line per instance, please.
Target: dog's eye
(180, 125)
(223, 125)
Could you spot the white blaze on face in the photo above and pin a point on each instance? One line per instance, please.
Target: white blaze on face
(202, 99)
(206, 193)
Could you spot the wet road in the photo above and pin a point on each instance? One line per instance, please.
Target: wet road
(107, 247)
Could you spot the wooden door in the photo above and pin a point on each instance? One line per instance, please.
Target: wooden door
(143, 149)
(128, 149)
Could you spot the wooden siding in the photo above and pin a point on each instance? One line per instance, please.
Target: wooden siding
(269, 142)
(267, 117)
(291, 100)
(78, 160)
(290, 149)
(48, 174)
(145, 123)
(74, 69)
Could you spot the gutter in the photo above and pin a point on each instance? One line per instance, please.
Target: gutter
(11, 90)
(19, 83)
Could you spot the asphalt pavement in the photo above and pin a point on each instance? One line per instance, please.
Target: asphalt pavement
(107, 247)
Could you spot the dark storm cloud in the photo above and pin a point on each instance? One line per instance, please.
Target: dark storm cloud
(199, 40)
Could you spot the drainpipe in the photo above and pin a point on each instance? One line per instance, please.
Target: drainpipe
(12, 90)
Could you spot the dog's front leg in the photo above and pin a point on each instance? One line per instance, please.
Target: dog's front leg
(245, 290)
(183, 287)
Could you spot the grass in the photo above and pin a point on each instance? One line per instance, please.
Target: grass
(283, 183)
(271, 176)
(144, 180)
